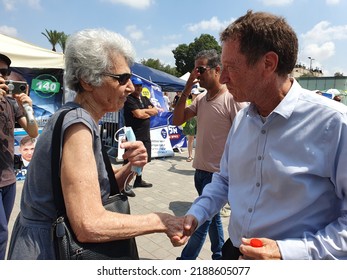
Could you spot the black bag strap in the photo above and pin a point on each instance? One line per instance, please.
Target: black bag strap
(114, 189)
(56, 182)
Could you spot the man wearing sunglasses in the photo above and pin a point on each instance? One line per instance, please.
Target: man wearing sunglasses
(137, 112)
(215, 111)
(11, 111)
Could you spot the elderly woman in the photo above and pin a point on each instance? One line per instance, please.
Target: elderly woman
(97, 68)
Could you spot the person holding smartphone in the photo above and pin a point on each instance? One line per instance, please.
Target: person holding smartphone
(11, 111)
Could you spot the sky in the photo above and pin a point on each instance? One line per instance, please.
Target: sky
(156, 27)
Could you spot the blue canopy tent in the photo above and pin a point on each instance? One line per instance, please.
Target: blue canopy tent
(166, 81)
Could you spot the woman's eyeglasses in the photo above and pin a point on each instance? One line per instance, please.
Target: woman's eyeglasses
(121, 78)
(202, 69)
(5, 72)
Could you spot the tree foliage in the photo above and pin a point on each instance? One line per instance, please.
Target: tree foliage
(53, 37)
(338, 74)
(185, 54)
(62, 40)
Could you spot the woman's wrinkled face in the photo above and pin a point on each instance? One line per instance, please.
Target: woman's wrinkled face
(113, 92)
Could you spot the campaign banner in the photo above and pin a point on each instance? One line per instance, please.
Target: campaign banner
(45, 90)
(161, 145)
(164, 136)
(176, 136)
(154, 94)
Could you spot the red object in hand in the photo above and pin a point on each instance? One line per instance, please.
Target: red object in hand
(256, 242)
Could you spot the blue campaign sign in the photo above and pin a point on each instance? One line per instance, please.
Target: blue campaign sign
(164, 136)
(176, 136)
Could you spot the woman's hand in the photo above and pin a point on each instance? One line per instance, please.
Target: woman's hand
(174, 228)
(135, 153)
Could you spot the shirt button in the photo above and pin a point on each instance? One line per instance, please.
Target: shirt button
(257, 184)
(263, 131)
(259, 157)
(250, 210)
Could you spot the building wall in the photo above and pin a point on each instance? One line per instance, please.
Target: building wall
(302, 70)
(323, 83)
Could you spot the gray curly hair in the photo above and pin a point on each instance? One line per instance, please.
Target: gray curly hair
(88, 54)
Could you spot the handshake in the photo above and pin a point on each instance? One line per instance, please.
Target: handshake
(178, 229)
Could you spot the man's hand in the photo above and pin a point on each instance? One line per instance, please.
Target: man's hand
(269, 250)
(188, 225)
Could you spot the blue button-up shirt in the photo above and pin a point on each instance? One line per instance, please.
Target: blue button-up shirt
(286, 178)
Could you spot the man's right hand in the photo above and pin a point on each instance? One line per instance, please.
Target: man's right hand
(3, 87)
(189, 225)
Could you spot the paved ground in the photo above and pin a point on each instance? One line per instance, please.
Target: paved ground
(172, 192)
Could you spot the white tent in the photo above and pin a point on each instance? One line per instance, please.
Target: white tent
(185, 76)
(24, 54)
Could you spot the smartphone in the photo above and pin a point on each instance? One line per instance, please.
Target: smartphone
(16, 87)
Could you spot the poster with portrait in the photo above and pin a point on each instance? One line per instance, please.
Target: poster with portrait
(24, 147)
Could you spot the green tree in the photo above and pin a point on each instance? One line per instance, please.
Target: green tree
(62, 40)
(338, 74)
(53, 37)
(156, 64)
(185, 54)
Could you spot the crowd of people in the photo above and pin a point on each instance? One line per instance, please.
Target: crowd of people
(270, 149)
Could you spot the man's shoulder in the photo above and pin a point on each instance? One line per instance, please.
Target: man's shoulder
(130, 100)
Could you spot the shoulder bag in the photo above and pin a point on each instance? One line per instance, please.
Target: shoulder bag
(67, 247)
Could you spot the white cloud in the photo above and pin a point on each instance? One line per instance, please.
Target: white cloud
(332, 2)
(212, 24)
(35, 4)
(320, 52)
(277, 2)
(172, 37)
(11, 5)
(163, 53)
(323, 32)
(7, 30)
(320, 42)
(137, 4)
(134, 33)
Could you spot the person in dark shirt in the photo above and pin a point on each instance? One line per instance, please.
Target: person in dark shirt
(11, 112)
(137, 112)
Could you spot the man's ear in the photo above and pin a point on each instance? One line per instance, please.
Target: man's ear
(270, 62)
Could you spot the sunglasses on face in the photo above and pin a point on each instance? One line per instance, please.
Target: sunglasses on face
(5, 72)
(121, 78)
(202, 69)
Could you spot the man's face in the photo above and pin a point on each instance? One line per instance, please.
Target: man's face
(138, 89)
(27, 150)
(204, 74)
(3, 70)
(241, 79)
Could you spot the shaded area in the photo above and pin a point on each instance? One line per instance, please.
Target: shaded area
(179, 208)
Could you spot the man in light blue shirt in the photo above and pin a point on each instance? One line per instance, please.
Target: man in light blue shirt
(283, 170)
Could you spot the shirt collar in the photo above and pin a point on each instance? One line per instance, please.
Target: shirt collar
(286, 107)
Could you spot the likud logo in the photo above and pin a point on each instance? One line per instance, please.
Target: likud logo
(163, 133)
